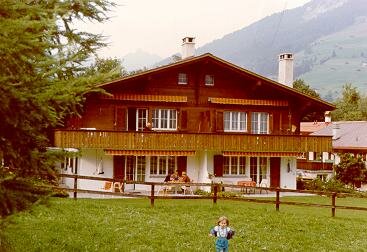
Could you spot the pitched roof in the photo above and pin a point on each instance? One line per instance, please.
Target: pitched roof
(351, 135)
(209, 56)
(310, 127)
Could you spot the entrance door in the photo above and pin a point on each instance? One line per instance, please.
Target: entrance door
(118, 167)
(275, 171)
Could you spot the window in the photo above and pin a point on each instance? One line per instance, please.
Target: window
(258, 169)
(260, 123)
(234, 165)
(182, 78)
(235, 121)
(135, 168)
(164, 119)
(209, 80)
(162, 165)
(142, 118)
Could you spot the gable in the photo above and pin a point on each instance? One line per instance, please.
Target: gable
(230, 81)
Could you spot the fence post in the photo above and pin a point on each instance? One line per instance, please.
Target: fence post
(215, 193)
(333, 196)
(75, 186)
(152, 196)
(277, 201)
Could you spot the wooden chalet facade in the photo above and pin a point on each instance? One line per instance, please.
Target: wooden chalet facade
(208, 117)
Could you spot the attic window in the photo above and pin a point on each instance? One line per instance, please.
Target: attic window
(182, 78)
(209, 80)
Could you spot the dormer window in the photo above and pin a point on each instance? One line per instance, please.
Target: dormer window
(182, 78)
(209, 80)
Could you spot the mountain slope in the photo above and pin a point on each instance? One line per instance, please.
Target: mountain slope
(257, 46)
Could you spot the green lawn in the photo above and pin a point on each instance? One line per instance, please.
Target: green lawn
(183, 225)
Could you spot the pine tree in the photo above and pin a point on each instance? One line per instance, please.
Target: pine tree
(42, 79)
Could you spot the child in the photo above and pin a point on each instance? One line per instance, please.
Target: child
(223, 234)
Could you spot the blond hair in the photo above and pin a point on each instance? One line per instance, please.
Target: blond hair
(223, 218)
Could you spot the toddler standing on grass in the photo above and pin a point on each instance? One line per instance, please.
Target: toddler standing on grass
(223, 234)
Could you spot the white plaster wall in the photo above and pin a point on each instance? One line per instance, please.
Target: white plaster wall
(288, 179)
(88, 164)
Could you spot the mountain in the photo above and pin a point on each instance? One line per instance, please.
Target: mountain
(328, 38)
(139, 60)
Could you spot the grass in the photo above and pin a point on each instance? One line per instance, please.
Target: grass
(183, 225)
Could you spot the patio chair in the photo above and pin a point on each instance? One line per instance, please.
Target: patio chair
(264, 184)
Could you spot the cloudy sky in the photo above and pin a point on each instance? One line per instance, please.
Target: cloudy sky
(157, 26)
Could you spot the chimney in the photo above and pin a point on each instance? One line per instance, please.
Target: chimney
(188, 47)
(285, 75)
(327, 115)
(336, 129)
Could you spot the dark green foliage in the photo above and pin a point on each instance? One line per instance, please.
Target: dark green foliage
(332, 185)
(351, 170)
(304, 88)
(42, 80)
(351, 106)
(17, 193)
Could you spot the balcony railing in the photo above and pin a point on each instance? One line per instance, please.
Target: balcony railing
(314, 165)
(190, 141)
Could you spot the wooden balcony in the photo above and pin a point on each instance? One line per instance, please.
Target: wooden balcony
(189, 141)
(314, 165)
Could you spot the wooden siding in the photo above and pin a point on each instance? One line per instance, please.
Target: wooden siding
(313, 165)
(187, 141)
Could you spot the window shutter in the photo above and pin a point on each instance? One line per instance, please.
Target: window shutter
(181, 164)
(219, 121)
(183, 120)
(120, 118)
(218, 165)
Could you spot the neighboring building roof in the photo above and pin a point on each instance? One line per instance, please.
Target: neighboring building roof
(310, 127)
(351, 135)
(208, 56)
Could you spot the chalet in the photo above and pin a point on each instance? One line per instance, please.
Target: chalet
(208, 117)
(347, 137)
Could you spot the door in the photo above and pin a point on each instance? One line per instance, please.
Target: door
(181, 164)
(131, 118)
(275, 172)
(118, 167)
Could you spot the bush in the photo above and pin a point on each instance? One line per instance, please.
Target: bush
(331, 185)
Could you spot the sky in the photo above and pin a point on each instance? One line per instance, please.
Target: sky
(158, 26)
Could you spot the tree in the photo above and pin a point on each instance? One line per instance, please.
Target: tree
(349, 106)
(42, 80)
(351, 169)
(304, 88)
(112, 66)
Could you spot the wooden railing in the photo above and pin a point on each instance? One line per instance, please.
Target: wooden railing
(314, 165)
(214, 195)
(190, 141)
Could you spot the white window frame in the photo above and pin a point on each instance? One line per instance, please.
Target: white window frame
(163, 165)
(209, 80)
(258, 123)
(182, 78)
(141, 118)
(260, 169)
(135, 167)
(164, 116)
(234, 117)
(234, 166)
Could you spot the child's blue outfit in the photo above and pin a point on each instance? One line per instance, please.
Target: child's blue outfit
(223, 235)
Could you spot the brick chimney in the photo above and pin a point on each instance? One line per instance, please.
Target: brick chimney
(285, 74)
(188, 47)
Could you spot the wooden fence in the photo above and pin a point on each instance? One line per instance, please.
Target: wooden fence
(214, 196)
